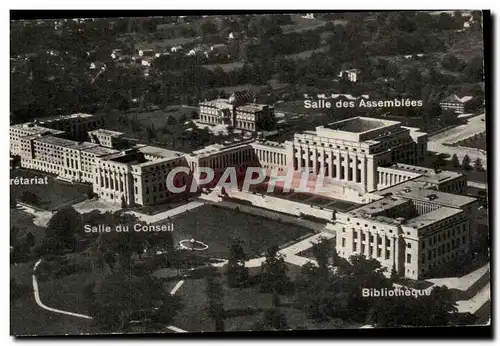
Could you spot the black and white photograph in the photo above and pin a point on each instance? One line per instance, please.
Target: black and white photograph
(248, 171)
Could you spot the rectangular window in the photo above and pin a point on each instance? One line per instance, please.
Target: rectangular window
(387, 254)
(343, 242)
(408, 258)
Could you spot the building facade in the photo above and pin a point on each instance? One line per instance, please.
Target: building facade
(455, 103)
(351, 150)
(238, 111)
(413, 231)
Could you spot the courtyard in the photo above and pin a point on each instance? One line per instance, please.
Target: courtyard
(218, 227)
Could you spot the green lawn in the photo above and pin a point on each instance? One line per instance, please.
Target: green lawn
(51, 196)
(218, 227)
(226, 67)
(302, 24)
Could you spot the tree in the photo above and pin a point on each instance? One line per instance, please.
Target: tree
(466, 162)
(478, 164)
(452, 63)
(274, 277)
(121, 297)
(13, 201)
(438, 162)
(454, 161)
(194, 114)
(273, 319)
(61, 230)
(322, 253)
(29, 240)
(237, 273)
(171, 120)
(29, 197)
(215, 296)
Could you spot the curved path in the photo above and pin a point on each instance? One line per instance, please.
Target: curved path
(36, 292)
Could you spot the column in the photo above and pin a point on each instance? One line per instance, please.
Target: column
(338, 163)
(355, 169)
(375, 245)
(367, 244)
(395, 251)
(384, 246)
(330, 164)
(307, 158)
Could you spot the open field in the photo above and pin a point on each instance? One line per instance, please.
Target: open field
(218, 227)
(305, 54)
(302, 24)
(51, 196)
(226, 67)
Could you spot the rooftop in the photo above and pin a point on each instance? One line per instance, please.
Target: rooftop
(61, 142)
(106, 132)
(34, 129)
(438, 197)
(100, 151)
(160, 152)
(431, 217)
(378, 206)
(251, 107)
(62, 117)
(357, 125)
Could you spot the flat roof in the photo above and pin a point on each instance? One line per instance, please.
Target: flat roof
(161, 152)
(359, 124)
(100, 151)
(62, 117)
(431, 217)
(62, 142)
(379, 206)
(34, 129)
(438, 197)
(106, 132)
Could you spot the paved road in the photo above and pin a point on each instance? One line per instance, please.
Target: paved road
(289, 253)
(169, 213)
(475, 303)
(36, 292)
(474, 126)
(41, 217)
(462, 283)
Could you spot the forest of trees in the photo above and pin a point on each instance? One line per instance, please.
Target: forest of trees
(362, 43)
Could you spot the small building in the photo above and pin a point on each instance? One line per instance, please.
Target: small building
(116, 54)
(176, 49)
(455, 103)
(146, 52)
(350, 75)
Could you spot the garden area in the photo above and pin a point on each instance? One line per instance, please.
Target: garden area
(218, 227)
